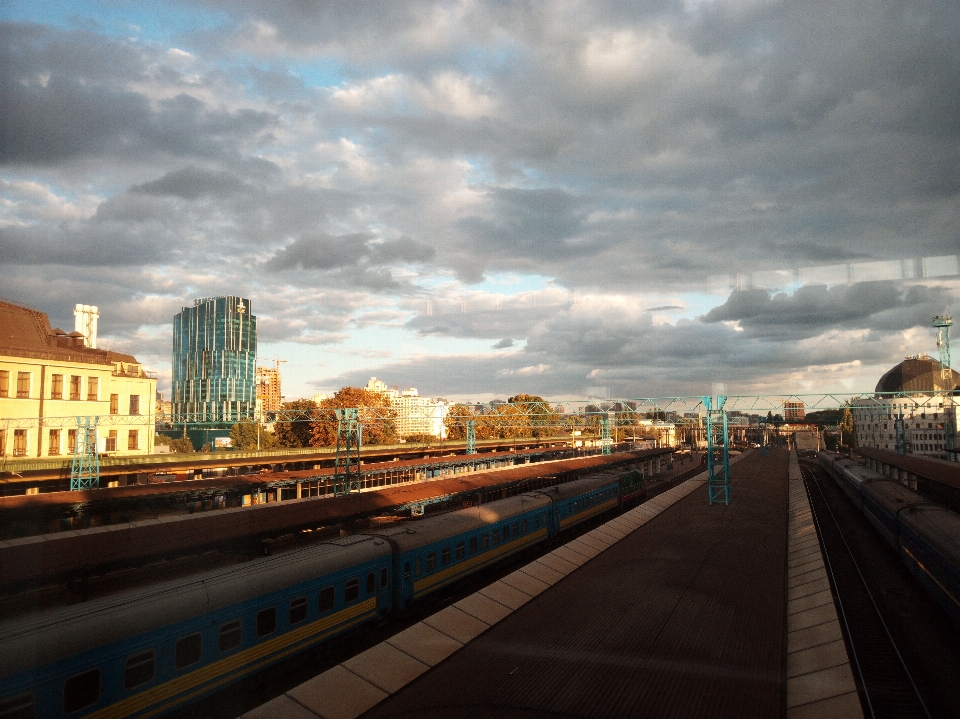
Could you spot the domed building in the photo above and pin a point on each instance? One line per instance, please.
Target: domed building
(926, 419)
(920, 373)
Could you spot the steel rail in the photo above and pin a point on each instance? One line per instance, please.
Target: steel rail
(866, 588)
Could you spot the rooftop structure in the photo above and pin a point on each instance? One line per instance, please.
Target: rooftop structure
(49, 378)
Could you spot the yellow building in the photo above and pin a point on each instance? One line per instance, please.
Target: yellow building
(50, 378)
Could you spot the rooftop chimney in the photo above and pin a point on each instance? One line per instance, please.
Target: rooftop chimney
(85, 322)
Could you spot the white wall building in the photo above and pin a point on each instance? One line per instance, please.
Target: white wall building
(415, 414)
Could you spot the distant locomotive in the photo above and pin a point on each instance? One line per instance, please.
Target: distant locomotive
(151, 650)
(924, 534)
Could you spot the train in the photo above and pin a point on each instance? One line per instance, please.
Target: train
(151, 650)
(925, 535)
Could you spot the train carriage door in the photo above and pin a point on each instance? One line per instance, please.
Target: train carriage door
(383, 590)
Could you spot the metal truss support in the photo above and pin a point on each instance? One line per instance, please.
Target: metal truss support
(605, 441)
(718, 488)
(900, 433)
(85, 467)
(346, 477)
(471, 436)
(764, 449)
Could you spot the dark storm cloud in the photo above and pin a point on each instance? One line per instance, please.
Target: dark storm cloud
(816, 308)
(192, 183)
(65, 95)
(327, 252)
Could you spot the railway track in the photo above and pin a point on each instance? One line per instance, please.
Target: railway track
(898, 640)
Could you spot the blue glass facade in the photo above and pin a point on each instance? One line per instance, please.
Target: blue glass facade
(215, 362)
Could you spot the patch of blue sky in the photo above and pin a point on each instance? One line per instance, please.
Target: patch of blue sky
(479, 60)
(512, 283)
(480, 173)
(163, 22)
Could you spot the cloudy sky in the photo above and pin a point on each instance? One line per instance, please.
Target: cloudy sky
(574, 199)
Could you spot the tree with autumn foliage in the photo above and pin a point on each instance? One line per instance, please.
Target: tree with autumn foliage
(295, 428)
(377, 417)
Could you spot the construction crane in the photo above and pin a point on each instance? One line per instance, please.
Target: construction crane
(942, 323)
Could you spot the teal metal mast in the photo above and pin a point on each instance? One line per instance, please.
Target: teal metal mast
(346, 476)
(471, 436)
(85, 467)
(605, 441)
(718, 488)
(943, 323)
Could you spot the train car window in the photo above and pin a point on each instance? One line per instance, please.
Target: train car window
(431, 561)
(484, 541)
(496, 537)
(371, 583)
(351, 590)
(266, 621)
(418, 566)
(298, 610)
(19, 707)
(230, 635)
(81, 691)
(506, 532)
(525, 526)
(445, 556)
(473, 545)
(138, 670)
(385, 578)
(406, 570)
(326, 599)
(461, 550)
(188, 651)
(516, 530)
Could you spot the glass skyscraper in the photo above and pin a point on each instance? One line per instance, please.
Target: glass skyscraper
(214, 362)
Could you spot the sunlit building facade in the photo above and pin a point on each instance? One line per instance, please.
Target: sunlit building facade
(215, 362)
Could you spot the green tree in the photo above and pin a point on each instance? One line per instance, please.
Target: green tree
(247, 435)
(181, 445)
(376, 416)
(295, 428)
(537, 417)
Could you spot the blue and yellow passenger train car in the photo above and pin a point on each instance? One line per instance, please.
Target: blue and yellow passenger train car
(145, 652)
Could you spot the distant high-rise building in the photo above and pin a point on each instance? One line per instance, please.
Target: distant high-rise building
(794, 411)
(214, 362)
(268, 388)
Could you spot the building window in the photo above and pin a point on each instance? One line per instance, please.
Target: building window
(134, 404)
(23, 385)
(93, 393)
(114, 404)
(56, 386)
(54, 447)
(110, 444)
(132, 437)
(71, 441)
(3, 442)
(19, 443)
(74, 387)
(4, 383)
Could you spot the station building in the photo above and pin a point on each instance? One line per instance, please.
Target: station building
(928, 415)
(49, 378)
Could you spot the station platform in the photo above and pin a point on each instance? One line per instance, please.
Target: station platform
(676, 608)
